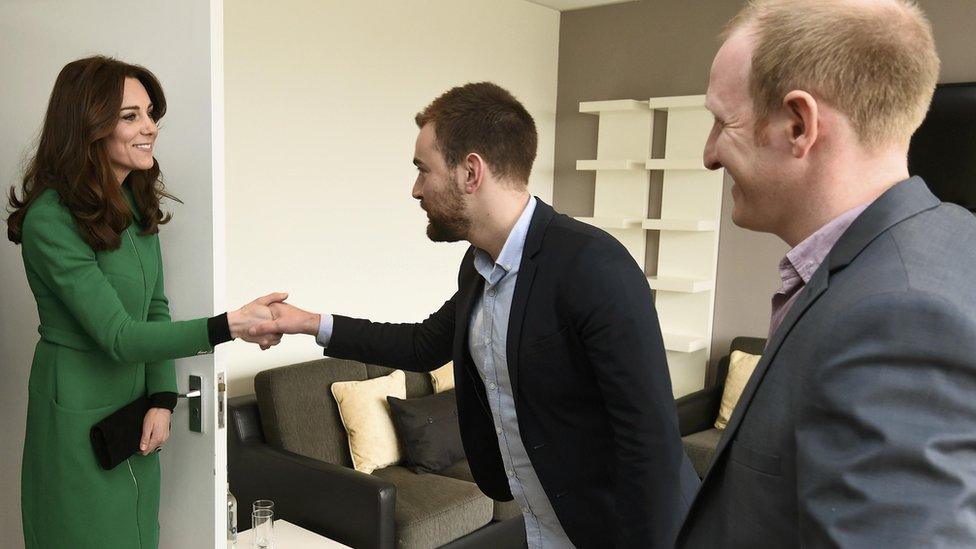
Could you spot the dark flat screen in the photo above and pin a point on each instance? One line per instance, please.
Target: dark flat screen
(943, 150)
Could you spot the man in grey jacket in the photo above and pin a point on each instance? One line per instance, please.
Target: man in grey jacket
(858, 426)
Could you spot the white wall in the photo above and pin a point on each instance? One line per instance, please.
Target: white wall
(37, 38)
(320, 100)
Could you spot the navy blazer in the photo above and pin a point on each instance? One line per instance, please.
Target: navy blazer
(590, 378)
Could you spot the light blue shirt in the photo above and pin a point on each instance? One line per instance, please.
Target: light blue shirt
(325, 330)
(487, 339)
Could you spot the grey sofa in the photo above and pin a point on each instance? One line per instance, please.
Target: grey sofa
(287, 443)
(697, 411)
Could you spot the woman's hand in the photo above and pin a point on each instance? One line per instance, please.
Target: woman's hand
(288, 319)
(155, 430)
(252, 314)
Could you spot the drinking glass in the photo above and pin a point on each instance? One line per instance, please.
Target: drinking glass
(262, 524)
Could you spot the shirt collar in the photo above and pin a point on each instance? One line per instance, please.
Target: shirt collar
(511, 255)
(805, 258)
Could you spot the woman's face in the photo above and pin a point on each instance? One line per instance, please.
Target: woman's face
(130, 147)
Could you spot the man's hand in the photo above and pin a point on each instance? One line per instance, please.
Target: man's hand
(155, 430)
(254, 313)
(288, 319)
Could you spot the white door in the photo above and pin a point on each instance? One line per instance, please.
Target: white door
(193, 503)
(181, 42)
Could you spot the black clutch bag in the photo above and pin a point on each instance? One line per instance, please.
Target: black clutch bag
(117, 437)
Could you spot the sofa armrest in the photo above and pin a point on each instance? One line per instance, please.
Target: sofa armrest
(697, 411)
(343, 504)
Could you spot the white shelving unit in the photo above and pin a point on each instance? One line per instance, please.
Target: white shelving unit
(679, 284)
(610, 223)
(688, 227)
(684, 225)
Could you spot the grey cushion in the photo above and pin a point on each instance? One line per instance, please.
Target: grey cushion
(700, 446)
(428, 430)
(432, 510)
(502, 510)
(298, 412)
(418, 384)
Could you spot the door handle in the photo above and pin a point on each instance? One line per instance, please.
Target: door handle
(194, 396)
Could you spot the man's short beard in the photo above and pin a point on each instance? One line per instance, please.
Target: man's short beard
(449, 223)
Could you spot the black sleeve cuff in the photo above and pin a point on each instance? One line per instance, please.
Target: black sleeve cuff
(163, 400)
(218, 330)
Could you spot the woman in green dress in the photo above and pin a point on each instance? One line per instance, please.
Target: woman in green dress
(87, 218)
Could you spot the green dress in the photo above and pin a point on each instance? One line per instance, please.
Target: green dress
(106, 339)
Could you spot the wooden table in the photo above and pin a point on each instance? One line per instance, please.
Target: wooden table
(288, 536)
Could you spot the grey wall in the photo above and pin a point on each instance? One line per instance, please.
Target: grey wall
(37, 38)
(665, 47)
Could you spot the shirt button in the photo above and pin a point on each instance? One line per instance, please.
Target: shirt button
(491, 292)
(525, 510)
(510, 473)
(492, 386)
(498, 430)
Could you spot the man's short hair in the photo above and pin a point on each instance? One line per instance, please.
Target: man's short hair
(486, 119)
(874, 60)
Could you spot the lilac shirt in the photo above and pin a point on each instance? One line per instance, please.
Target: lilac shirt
(804, 259)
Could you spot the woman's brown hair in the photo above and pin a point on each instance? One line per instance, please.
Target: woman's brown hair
(71, 157)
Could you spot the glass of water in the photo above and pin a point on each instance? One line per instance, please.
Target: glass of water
(262, 524)
(262, 504)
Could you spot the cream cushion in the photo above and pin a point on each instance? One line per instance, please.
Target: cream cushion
(443, 378)
(365, 414)
(741, 366)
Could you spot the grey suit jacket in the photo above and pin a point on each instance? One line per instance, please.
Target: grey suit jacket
(858, 427)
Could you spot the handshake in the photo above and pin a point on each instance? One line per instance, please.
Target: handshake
(266, 319)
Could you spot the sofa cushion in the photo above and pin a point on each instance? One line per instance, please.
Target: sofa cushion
(741, 366)
(432, 510)
(428, 430)
(442, 379)
(501, 510)
(298, 413)
(365, 414)
(700, 447)
(418, 385)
